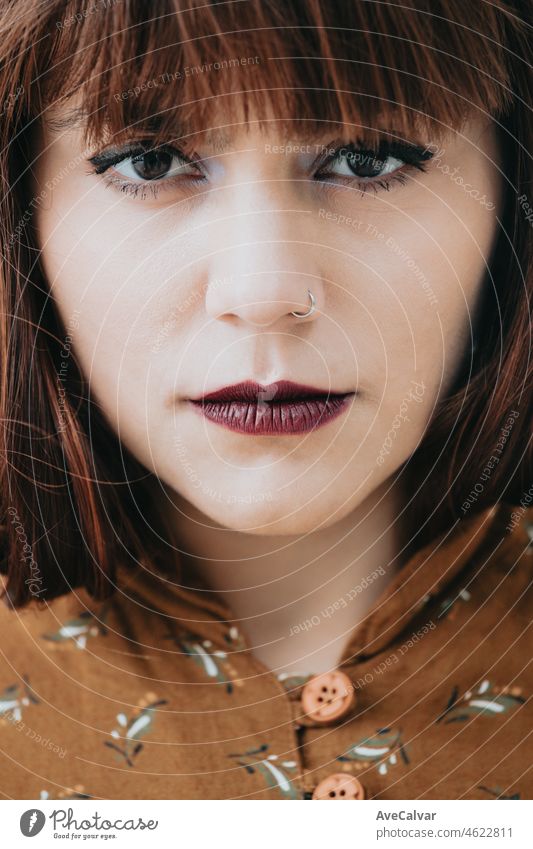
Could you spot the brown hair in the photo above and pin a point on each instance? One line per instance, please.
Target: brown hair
(74, 501)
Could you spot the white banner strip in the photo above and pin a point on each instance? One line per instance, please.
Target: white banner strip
(255, 824)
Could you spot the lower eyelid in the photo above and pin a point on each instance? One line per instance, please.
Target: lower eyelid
(361, 187)
(134, 188)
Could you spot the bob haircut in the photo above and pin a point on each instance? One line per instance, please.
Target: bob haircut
(74, 502)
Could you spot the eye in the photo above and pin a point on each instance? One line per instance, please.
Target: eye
(364, 164)
(139, 169)
(373, 168)
(155, 164)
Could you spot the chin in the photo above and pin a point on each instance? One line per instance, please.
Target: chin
(277, 517)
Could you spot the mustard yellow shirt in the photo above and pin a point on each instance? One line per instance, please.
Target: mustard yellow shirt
(154, 694)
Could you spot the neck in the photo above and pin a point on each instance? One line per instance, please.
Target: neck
(308, 588)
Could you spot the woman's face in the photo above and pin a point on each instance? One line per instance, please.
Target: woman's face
(175, 279)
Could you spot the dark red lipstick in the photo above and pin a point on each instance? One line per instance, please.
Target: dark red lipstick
(282, 408)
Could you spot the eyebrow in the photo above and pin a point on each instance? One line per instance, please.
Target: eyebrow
(73, 119)
(76, 119)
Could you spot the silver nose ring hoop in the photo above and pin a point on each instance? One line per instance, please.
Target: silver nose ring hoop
(311, 309)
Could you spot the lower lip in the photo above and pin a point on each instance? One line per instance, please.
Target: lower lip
(284, 418)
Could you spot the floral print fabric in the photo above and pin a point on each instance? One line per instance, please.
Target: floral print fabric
(155, 694)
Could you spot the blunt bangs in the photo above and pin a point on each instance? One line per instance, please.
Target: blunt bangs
(181, 69)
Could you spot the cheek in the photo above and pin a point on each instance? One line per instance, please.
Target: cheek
(412, 280)
(120, 275)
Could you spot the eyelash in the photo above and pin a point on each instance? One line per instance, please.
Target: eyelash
(412, 156)
(101, 162)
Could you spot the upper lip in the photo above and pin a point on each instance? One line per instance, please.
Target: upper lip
(280, 390)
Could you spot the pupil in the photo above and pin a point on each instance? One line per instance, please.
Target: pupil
(152, 165)
(364, 163)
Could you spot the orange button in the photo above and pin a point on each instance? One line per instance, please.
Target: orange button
(328, 696)
(339, 786)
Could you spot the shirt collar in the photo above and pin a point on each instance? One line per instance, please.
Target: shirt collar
(424, 577)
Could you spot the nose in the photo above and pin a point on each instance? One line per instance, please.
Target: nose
(264, 271)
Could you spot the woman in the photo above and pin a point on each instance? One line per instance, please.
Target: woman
(267, 395)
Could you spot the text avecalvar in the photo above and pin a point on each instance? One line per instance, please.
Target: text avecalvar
(405, 815)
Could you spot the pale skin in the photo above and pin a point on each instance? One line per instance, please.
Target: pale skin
(193, 290)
